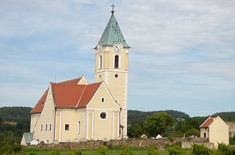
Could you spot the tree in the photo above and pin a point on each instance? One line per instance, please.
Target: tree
(136, 130)
(181, 126)
(192, 123)
(158, 124)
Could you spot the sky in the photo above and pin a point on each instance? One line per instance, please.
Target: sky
(182, 54)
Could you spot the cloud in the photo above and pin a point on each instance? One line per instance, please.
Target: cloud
(164, 27)
(182, 51)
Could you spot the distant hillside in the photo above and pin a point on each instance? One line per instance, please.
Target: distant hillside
(14, 114)
(226, 116)
(135, 116)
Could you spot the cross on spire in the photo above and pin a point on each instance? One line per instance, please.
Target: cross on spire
(112, 8)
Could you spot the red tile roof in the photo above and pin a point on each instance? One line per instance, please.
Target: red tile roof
(39, 106)
(69, 94)
(89, 92)
(70, 82)
(207, 123)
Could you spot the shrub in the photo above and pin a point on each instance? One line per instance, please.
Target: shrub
(192, 131)
(232, 150)
(100, 151)
(110, 146)
(77, 152)
(201, 149)
(127, 151)
(175, 150)
(31, 153)
(104, 143)
(224, 149)
(232, 140)
(55, 152)
(152, 150)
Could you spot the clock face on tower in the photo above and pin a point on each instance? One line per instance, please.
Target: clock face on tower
(117, 46)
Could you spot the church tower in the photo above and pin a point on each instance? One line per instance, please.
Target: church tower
(111, 66)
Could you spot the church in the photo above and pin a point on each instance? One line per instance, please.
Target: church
(74, 110)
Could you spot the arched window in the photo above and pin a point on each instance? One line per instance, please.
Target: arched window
(100, 62)
(116, 63)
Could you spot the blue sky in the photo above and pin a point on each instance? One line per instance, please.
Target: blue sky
(182, 56)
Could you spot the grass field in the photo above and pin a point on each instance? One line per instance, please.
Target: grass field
(93, 152)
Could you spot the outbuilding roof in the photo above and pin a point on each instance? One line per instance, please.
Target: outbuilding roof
(28, 137)
(207, 123)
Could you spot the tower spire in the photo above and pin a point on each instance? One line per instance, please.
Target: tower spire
(112, 8)
(112, 32)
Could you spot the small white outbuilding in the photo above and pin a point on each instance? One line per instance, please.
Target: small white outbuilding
(26, 139)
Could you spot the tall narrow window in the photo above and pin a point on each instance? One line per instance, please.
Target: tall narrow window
(50, 127)
(41, 127)
(46, 127)
(116, 63)
(79, 127)
(100, 62)
(204, 134)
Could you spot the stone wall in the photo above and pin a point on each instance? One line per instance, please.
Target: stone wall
(188, 145)
(131, 142)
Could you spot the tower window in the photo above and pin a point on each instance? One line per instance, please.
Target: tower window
(116, 63)
(204, 134)
(116, 75)
(100, 65)
(102, 99)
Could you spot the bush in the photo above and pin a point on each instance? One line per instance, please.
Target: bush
(232, 140)
(175, 150)
(201, 149)
(31, 153)
(77, 152)
(100, 151)
(55, 152)
(110, 146)
(224, 149)
(127, 151)
(192, 131)
(152, 150)
(232, 150)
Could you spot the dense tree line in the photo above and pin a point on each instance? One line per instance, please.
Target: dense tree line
(135, 116)
(155, 124)
(14, 114)
(163, 124)
(10, 135)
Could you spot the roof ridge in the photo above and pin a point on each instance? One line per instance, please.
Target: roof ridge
(69, 80)
(68, 85)
(81, 96)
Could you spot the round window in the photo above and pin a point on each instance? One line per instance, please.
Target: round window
(116, 75)
(103, 115)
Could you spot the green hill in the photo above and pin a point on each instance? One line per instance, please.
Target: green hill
(226, 116)
(135, 116)
(14, 114)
